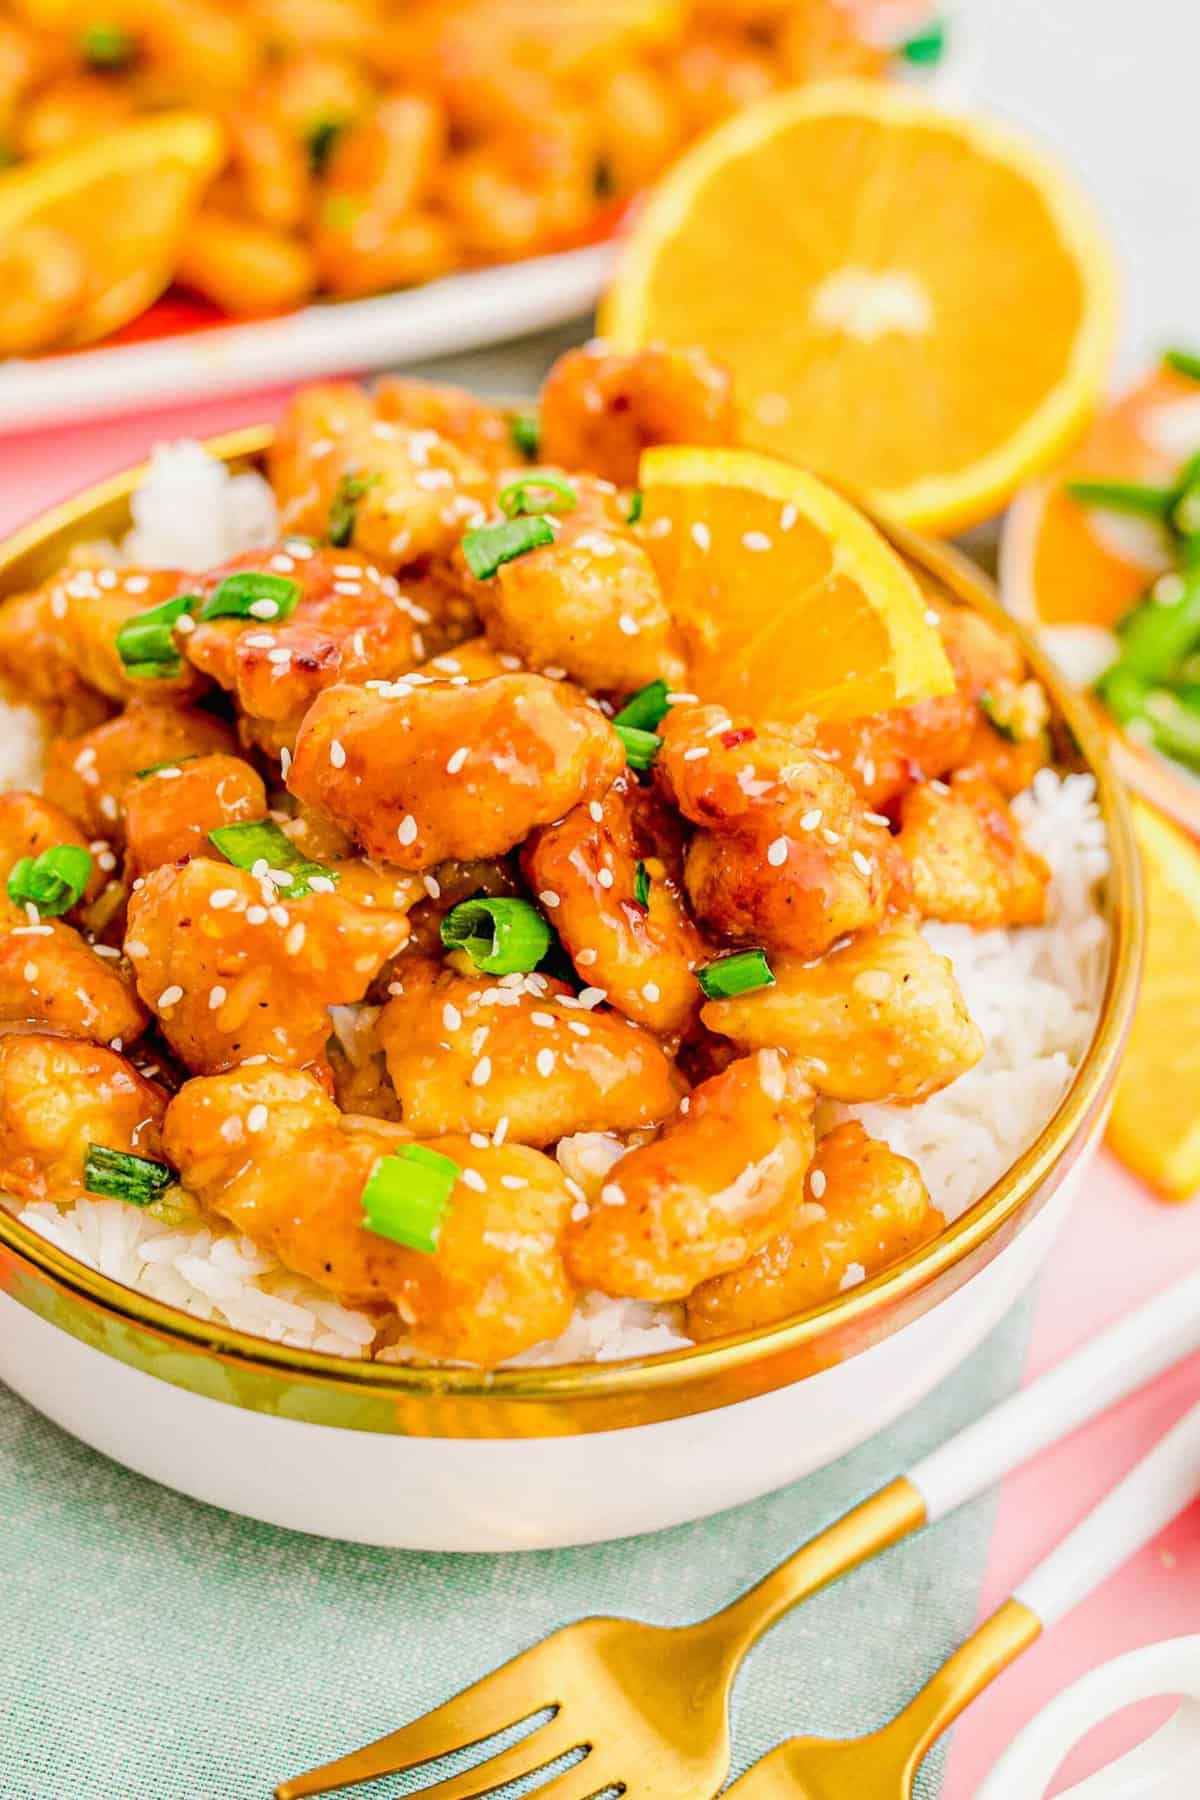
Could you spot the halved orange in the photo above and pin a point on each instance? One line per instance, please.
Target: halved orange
(913, 303)
(107, 217)
(789, 600)
(1155, 1125)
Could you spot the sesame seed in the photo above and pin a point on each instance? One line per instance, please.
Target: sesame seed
(755, 540)
(481, 1074)
(861, 863)
(931, 617)
(604, 877)
(136, 584)
(682, 699)
(456, 762)
(135, 947)
(257, 640)
(106, 579)
(432, 886)
(473, 1179)
(701, 536)
(811, 820)
(788, 517)
(878, 818)
(30, 971)
(548, 897)
(263, 609)
(284, 564)
(478, 1141)
(544, 1062)
(628, 624)
(279, 656)
(279, 916)
(256, 915)
(651, 991)
(777, 852)
(216, 997)
(513, 1182)
(106, 861)
(337, 754)
(830, 837)
(580, 1210)
(406, 831)
(501, 1131)
(592, 996)
(257, 1117)
(695, 753)
(817, 1182)
(596, 812)
(544, 1019)
(320, 884)
(293, 943)
(612, 1195)
(585, 958)
(170, 996)
(451, 1017)
(579, 1028)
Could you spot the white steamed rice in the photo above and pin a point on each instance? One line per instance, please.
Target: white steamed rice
(1034, 993)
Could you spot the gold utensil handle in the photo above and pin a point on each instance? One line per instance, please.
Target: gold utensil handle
(973, 1666)
(895, 1512)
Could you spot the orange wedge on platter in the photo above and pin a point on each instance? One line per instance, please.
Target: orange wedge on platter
(1155, 1123)
(89, 236)
(915, 304)
(789, 600)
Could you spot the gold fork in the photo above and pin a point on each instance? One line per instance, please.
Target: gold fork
(647, 1706)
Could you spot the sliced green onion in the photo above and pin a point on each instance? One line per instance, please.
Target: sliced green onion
(646, 709)
(489, 546)
(406, 1196)
(927, 47)
(343, 508)
(501, 936)
(741, 973)
(146, 642)
(551, 493)
(1123, 692)
(122, 1176)
(261, 841)
(1002, 727)
(1184, 362)
(1176, 727)
(252, 594)
(172, 762)
(1125, 497)
(1157, 635)
(526, 434)
(637, 502)
(106, 46)
(641, 747)
(319, 140)
(53, 882)
(641, 885)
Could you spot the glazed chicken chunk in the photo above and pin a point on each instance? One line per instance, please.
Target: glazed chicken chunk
(588, 604)
(721, 1178)
(419, 774)
(602, 408)
(170, 811)
(518, 1055)
(235, 968)
(642, 952)
(269, 1151)
(88, 775)
(786, 854)
(57, 1096)
(865, 1207)
(50, 975)
(879, 1017)
(965, 857)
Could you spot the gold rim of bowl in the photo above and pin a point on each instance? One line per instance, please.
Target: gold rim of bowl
(569, 1398)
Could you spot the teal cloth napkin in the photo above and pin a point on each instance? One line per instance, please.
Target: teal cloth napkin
(153, 1648)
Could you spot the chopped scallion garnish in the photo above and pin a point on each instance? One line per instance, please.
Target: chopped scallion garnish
(637, 501)
(641, 885)
(107, 46)
(741, 973)
(146, 642)
(343, 508)
(53, 882)
(501, 936)
(252, 594)
(1003, 727)
(120, 1175)
(927, 47)
(260, 841)
(172, 762)
(641, 747)
(1124, 496)
(526, 434)
(1184, 362)
(646, 709)
(319, 141)
(406, 1196)
(490, 545)
(541, 491)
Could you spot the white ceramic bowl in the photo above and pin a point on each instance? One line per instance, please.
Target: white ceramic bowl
(459, 1459)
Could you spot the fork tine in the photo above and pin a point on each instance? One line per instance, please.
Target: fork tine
(497, 1701)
